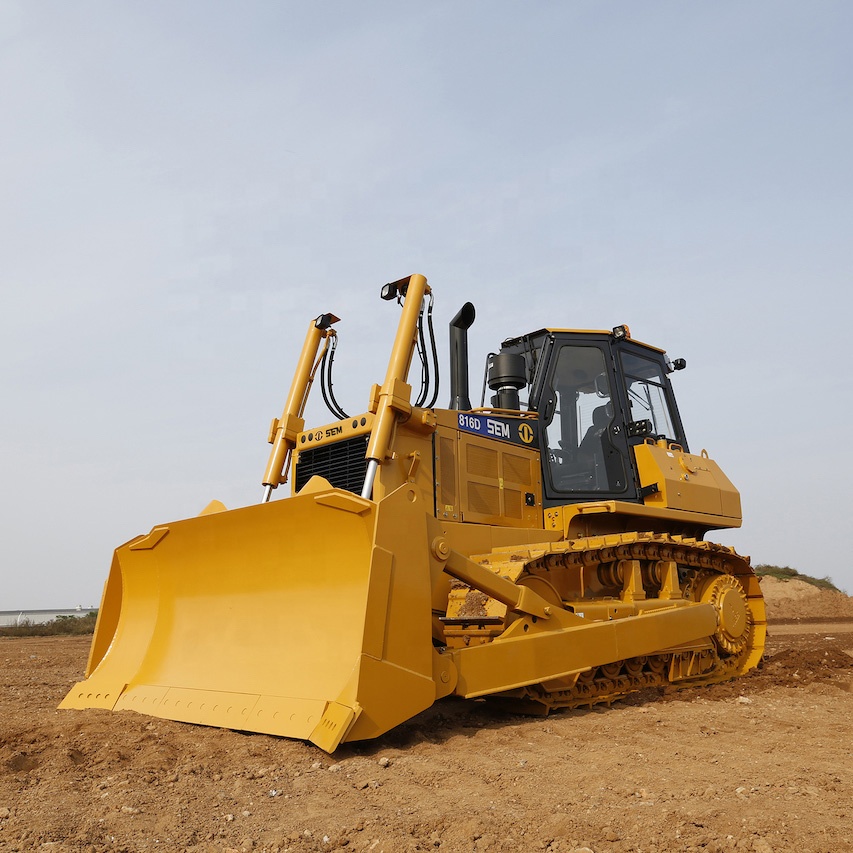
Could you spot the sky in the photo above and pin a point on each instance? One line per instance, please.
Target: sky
(186, 185)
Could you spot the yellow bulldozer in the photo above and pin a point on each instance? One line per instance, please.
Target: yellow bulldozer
(546, 550)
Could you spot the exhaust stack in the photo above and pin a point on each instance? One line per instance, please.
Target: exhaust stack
(459, 326)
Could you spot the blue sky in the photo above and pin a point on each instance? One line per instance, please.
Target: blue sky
(187, 184)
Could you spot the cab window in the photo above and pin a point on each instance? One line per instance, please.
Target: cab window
(647, 399)
(581, 454)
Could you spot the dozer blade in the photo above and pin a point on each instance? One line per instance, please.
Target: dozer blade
(308, 617)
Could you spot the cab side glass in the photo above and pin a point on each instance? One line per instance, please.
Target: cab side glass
(647, 399)
(580, 451)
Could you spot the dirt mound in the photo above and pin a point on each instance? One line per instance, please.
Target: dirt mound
(827, 662)
(796, 599)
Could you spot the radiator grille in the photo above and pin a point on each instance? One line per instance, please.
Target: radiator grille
(343, 464)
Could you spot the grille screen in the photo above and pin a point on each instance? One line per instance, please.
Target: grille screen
(512, 503)
(484, 499)
(343, 464)
(517, 469)
(448, 472)
(482, 461)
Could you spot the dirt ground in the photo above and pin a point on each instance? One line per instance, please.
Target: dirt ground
(761, 764)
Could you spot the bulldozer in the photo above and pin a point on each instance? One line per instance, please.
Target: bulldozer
(544, 550)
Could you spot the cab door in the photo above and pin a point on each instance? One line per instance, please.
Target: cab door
(584, 447)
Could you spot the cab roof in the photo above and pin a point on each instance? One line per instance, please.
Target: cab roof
(590, 332)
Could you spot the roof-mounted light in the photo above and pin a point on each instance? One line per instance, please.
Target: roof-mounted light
(621, 332)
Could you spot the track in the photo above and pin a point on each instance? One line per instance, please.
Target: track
(619, 576)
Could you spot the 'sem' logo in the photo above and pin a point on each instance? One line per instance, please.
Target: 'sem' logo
(525, 433)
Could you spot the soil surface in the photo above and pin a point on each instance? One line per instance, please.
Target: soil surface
(760, 764)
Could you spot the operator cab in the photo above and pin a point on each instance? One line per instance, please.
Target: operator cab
(596, 394)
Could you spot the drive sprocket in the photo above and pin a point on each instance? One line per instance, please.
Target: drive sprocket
(734, 618)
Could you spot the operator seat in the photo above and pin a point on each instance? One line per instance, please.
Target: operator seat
(591, 442)
(591, 451)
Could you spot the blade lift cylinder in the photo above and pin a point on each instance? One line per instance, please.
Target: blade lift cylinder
(395, 395)
(283, 430)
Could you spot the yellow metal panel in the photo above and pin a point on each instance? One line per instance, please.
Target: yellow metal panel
(345, 501)
(412, 460)
(598, 517)
(334, 725)
(390, 695)
(248, 712)
(537, 651)
(376, 621)
(108, 613)
(479, 538)
(152, 540)
(685, 481)
(495, 476)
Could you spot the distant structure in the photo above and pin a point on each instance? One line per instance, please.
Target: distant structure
(39, 617)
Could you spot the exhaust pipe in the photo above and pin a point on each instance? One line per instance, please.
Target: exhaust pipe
(459, 326)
